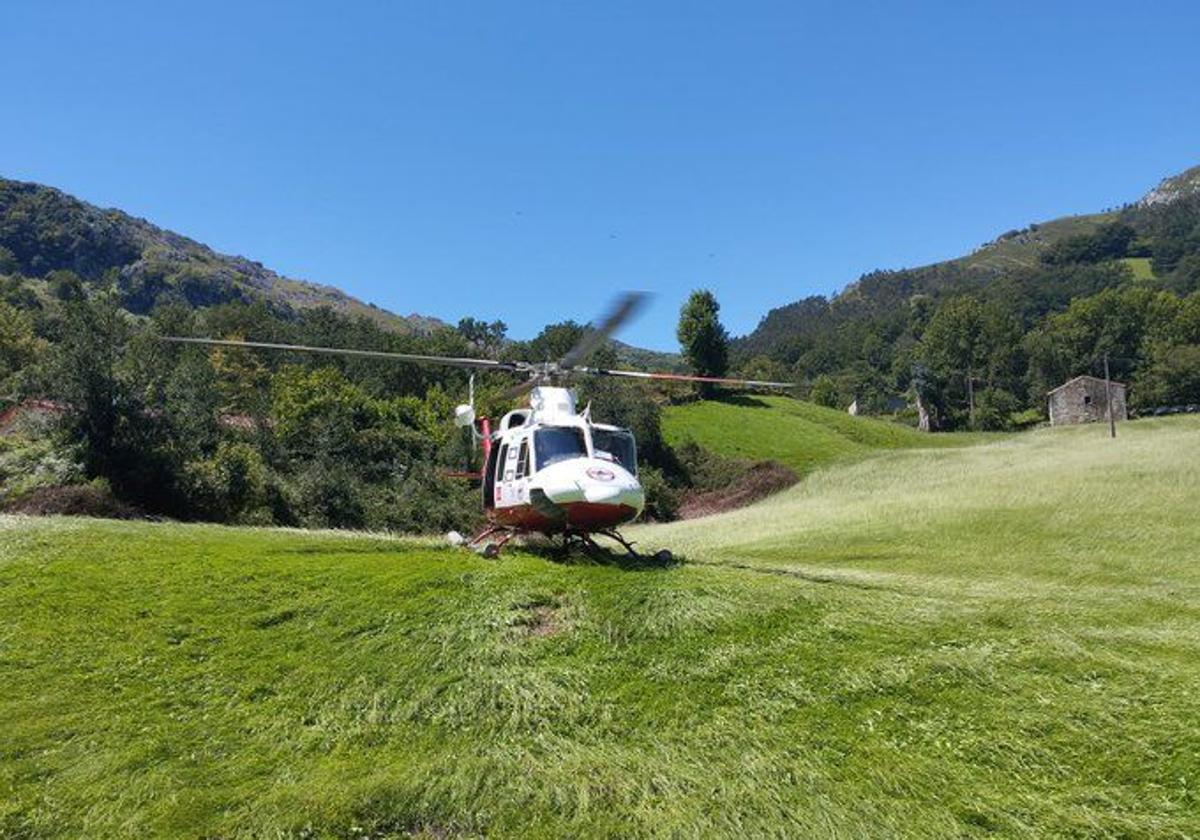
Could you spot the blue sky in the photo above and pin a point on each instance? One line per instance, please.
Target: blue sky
(526, 160)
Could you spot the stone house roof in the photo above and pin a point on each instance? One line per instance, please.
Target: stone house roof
(1113, 382)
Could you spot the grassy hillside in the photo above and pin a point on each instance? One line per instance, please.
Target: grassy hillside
(993, 640)
(800, 435)
(1023, 248)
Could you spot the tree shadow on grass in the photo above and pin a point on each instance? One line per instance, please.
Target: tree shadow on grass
(743, 400)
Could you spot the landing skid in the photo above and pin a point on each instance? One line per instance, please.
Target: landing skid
(482, 543)
(584, 540)
(492, 539)
(491, 548)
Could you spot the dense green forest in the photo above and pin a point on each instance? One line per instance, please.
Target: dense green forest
(1001, 327)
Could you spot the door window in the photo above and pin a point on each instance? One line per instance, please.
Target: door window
(510, 465)
(523, 459)
(489, 477)
(502, 462)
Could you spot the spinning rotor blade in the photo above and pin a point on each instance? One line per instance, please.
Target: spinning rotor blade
(624, 309)
(457, 361)
(686, 377)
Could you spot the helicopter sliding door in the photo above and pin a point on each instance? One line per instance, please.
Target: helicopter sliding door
(510, 474)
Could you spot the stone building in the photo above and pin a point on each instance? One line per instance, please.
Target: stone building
(1083, 400)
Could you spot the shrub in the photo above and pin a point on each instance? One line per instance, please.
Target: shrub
(423, 501)
(330, 496)
(92, 499)
(824, 392)
(705, 470)
(662, 500)
(28, 465)
(231, 485)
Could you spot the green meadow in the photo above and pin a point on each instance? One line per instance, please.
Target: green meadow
(800, 435)
(1000, 639)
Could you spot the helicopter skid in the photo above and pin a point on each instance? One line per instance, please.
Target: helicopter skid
(481, 544)
(580, 538)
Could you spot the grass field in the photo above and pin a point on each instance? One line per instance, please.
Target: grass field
(800, 435)
(997, 640)
(1140, 266)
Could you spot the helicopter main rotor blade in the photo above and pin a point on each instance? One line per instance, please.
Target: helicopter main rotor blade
(625, 307)
(457, 361)
(685, 377)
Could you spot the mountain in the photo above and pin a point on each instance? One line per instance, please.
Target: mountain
(644, 359)
(1173, 189)
(785, 332)
(43, 230)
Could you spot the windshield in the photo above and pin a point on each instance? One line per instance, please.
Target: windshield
(558, 443)
(617, 443)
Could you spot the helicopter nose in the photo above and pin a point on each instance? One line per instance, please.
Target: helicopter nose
(594, 482)
(602, 494)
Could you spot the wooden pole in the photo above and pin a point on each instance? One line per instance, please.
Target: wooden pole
(970, 399)
(1112, 423)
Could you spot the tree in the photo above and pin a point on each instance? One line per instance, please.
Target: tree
(243, 379)
(554, 341)
(1108, 242)
(824, 391)
(18, 345)
(486, 337)
(98, 374)
(1116, 322)
(953, 348)
(704, 342)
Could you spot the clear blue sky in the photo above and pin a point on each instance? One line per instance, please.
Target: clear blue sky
(526, 160)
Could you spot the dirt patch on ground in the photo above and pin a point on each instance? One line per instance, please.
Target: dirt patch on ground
(540, 618)
(73, 500)
(758, 482)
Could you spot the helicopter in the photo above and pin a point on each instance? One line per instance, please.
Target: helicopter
(548, 468)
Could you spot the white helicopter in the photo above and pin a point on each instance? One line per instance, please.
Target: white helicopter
(547, 468)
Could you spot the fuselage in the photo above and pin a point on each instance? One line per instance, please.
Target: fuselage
(551, 469)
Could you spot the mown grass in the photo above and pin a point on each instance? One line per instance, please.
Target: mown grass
(999, 640)
(800, 435)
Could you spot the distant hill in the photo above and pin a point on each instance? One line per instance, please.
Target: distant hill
(880, 290)
(786, 332)
(868, 340)
(46, 230)
(643, 359)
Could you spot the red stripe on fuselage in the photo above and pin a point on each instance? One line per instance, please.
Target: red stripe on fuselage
(582, 516)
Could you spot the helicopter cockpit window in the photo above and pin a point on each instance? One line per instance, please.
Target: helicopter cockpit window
(619, 444)
(558, 443)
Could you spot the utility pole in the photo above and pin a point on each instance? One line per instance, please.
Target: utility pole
(970, 399)
(1112, 424)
